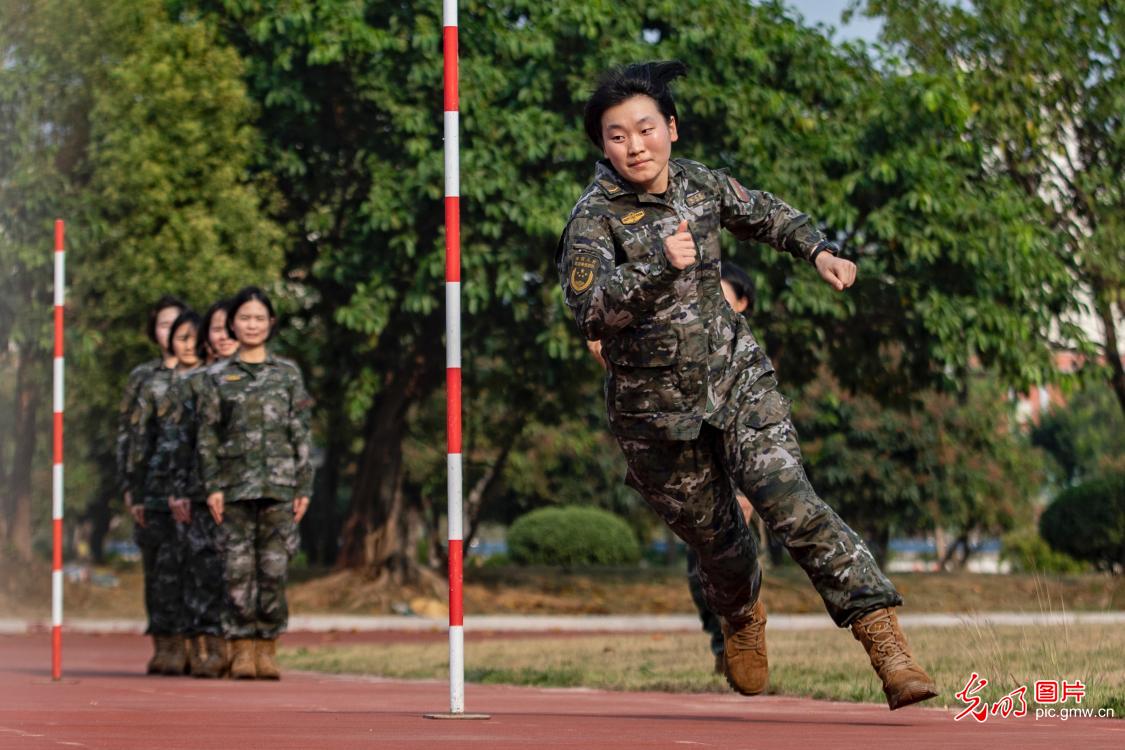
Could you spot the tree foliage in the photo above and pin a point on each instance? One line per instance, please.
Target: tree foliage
(1085, 437)
(940, 464)
(1087, 522)
(136, 128)
(1045, 88)
(200, 139)
(570, 536)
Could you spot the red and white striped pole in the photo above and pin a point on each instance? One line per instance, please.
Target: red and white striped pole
(57, 469)
(453, 354)
(453, 365)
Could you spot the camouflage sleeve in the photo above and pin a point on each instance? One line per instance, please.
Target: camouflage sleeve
(300, 409)
(604, 296)
(757, 215)
(207, 439)
(173, 435)
(124, 412)
(139, 443)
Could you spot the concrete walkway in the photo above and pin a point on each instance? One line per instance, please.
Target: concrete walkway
(587, 623)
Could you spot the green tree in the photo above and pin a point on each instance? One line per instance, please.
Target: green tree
(938, 465)
(136, 127)
(1085, 436)
(45, 93)
(952, 267)
(1045, 84)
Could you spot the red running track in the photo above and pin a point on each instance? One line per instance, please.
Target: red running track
(105, 702)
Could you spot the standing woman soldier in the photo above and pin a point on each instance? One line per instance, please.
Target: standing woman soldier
(204, 591)
(691, 396)
(149, 484)
(254, 455)
(160, 318)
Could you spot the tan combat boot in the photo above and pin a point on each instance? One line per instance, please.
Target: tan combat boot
(197, 654)
(214, 663)
(264, 652)
(177, 659)
(159, 655)
(218, 660)
(744, 649)
(904, 682)
(242, 659)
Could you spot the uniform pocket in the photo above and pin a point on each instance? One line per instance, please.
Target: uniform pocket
(643, 374)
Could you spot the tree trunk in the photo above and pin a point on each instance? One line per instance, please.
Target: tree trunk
(321, 526)
(939, 544)
(484, 485)
(370, 533)
(28, 399)
(98, 515)
(1104, 309)
(375, 535)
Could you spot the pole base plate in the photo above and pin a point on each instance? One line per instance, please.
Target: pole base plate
(449, 715)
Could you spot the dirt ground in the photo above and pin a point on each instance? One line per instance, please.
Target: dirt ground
(117, 592)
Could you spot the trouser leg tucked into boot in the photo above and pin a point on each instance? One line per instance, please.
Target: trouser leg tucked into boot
(242, 659)
(265, 650)
(745, 663)
(904, 681)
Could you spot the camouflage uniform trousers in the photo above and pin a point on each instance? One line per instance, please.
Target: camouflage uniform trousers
(161, 543)
(690, 484)
(708, 620)
(204, 587)
(258, 538)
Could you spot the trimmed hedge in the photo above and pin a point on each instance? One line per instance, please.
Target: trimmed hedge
(571, 536)
(1087, 522)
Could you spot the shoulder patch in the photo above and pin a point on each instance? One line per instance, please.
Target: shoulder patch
(610, 187)
(582, 270)
(740, 191)
(632, 217)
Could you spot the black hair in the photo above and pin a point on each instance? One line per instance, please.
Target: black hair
(184, 318)
(249, 294)
(650, 79)
(204, 340)
(158, 307)
(739, 281)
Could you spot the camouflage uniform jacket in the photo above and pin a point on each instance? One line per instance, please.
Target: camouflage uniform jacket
(254, 430)
(148, 480)
(137, 378)
(675, 350)
(178, 429)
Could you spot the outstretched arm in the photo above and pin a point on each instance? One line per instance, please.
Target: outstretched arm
(758, 215)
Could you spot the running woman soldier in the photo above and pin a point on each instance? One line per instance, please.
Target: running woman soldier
(253, 447)
(692, 398)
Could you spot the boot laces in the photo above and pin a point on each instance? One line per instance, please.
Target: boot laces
(891, 653)
(750, 636)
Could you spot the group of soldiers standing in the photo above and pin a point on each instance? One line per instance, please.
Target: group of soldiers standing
(213, 455)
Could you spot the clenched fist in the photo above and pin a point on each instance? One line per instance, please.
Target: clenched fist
(679, 248)
(838, 272)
